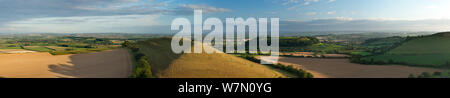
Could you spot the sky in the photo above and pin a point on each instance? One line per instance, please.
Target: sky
(155, 16)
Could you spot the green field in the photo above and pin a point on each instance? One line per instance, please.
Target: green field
(426, 51)
(166, 64)
(424, 60)
(38, 48)
(361, 53)
(78, 50)
(9, 46)
(318, 48)
(58, 44)
(57, 48)
(325, 48)
(381, 45)
(425, 45)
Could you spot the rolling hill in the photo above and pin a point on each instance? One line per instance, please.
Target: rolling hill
(166, 64)
(427, 51)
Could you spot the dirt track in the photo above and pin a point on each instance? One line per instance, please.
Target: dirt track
(342, 68)
(107, 64)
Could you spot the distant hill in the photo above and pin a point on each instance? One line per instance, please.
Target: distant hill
(429, 51)
(166, 64)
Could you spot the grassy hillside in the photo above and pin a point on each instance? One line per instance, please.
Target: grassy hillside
(427, 51)
(424, 45)
(381, 45)
(166, 64)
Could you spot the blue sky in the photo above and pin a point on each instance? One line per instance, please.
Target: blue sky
(155, 16)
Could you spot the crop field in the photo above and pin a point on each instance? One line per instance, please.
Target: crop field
(14, 51)
(342, 68)
(107, 64)
(71, 50)
(361, 53)
(57, 48)
(63, 56)
(58, 44)
(9, 46)
(166, 64)
(431, 60)
(38, 48)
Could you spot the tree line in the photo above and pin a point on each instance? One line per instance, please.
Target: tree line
(142, 68)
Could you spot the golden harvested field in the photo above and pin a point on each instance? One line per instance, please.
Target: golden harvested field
(342, 68)
(13, 51)
(166, 64)
(216, 66)
(106, 64)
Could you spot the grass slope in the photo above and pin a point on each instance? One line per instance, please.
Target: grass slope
(425, 45)
(427, 51)
(166, 64)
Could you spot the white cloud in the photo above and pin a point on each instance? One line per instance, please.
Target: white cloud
(306, 3)
(331, 13)
(329, 1)
(290, 2)
(293, 4)
(335, 18)
(188, 9)
(311, 13)
(344, 18)
(118, 23)
(375, 24)
(26, 9)
(110, 6)
(205, 8)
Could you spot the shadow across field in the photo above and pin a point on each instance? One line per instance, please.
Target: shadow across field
(64, 69)
(107, 64)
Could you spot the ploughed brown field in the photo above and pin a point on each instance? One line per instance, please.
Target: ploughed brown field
(342, 68)
(107, 64)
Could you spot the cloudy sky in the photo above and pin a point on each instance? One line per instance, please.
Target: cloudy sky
(155, 16)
